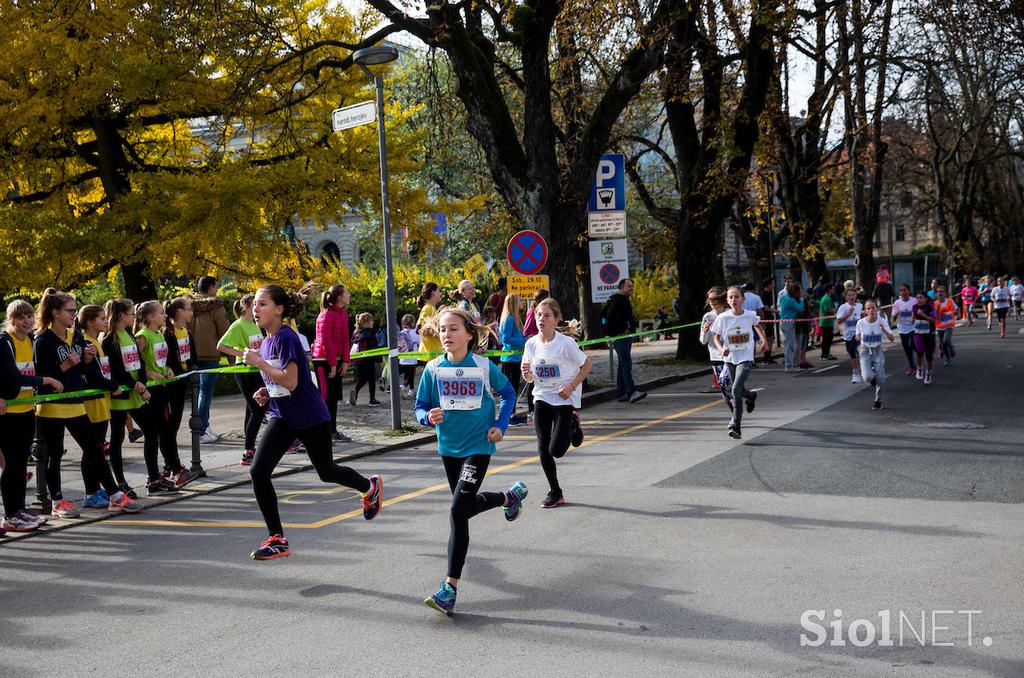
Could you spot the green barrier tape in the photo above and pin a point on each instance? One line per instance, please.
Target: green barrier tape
(35, 400)
(374, 352)
(241, 369)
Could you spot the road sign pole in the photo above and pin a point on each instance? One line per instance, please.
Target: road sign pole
(389, 279)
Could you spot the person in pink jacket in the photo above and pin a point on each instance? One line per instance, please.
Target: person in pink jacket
(330, 350)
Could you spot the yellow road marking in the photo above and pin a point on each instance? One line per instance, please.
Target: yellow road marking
(416, 493)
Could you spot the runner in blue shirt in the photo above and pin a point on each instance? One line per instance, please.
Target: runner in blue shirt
(455, 397)
(296, 411)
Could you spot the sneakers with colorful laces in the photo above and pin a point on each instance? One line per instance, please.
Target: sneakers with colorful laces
(65, 509)
(123, 487)
(372, 499)
(247, 457)
(553, 499)
(576, 437)
(122, 502)
(183, 477)
(21, 522)
(514, 500)
(100, 499)
(444, 599)
(274, 547)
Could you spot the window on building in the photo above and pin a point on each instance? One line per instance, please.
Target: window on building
(330, 251)
(899, 233)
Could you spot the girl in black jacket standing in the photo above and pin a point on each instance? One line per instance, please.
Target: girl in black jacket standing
(17, 425)
(63, 353)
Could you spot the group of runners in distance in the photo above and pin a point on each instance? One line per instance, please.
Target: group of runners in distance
(924, 322)
(467, 398)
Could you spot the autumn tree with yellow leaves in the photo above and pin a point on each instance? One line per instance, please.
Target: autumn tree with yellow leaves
(174, 139)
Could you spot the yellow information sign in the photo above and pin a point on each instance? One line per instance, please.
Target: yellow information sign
(526, 285)
(474, 266)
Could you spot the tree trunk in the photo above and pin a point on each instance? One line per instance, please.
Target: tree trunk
(699, 257)
(114, 167)
(138, 284)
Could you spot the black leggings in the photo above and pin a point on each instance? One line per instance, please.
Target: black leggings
(248, 384)
(908, 348)
(408, 373)
(276, 439)
(827, 334)
(553, 424)
(366, 373)
(82, 432)
(464, 477)
(118, 419)
(156, 417)
(16, 432)
(176, 392)
(330, 387)
(92, 483)
(513, 372)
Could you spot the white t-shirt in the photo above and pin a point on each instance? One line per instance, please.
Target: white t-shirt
(1001, 297)
(737, 333)
(752, 302)
(903, 312)
(554, 363)
(1017, 292)
(871, 334)
(706, 337)
(850, 324)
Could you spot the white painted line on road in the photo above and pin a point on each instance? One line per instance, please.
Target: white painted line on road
(825, 369)
(676, 395)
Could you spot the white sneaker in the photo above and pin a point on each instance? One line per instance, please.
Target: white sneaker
(857, 378)
(209, 437)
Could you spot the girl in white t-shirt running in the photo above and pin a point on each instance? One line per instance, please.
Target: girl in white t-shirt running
(716, 302)
(555, 365)
(846, 318)
(903, 318)
(733, 332)
(1001, 304)
(871, 329)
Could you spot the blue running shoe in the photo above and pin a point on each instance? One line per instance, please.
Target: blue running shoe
(443, 600)
(98, 500)
(514, 500)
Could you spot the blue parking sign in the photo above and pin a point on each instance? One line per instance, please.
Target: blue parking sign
(608, 193)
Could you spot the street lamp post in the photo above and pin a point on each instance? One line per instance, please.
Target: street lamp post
(372, 56)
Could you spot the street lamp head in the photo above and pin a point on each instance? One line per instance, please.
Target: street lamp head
(373, 56)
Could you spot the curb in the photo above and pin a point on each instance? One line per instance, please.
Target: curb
(229, 483)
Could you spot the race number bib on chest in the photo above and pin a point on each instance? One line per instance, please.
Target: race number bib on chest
(255, 341)
(871, 340)
(460, 388)
(946, 317)
(184, 350)
(130, 356)
(160, 354)
(27, 369)
(104, 366)
(922, 326)
(905, 315)
(738, 339)
(547, 373)
(273, 388)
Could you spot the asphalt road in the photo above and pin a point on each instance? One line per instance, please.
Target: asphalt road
(679, 553)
